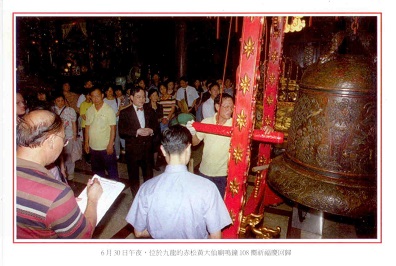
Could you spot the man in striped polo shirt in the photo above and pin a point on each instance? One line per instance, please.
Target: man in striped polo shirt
(46, 207)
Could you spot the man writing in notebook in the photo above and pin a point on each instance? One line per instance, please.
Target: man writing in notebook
(178, 204)
(46, 207)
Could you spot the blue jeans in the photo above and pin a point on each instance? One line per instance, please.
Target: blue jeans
(102, 162)
(219, 181)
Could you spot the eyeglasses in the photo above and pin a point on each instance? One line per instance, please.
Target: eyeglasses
(65, 140)
(227, 107)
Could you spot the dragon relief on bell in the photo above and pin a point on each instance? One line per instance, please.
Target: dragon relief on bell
(330, 162)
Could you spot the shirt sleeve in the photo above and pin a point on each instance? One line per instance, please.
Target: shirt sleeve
(137, 214)
(195, 94)
(205, 109)
(66, 218)
(179, 95)
(80, 100)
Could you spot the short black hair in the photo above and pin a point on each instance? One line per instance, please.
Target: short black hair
(141, 79)
(151, 91)
(58, 95)
(222, 96)
(184, 78)
(118, 88)
(175, 139)
(94, 88)
(211, 85)
(136, 89)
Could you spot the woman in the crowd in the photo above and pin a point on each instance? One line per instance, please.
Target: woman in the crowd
(71, 98)
(72, 151)
(124, 102)
(171, 88)
(20, 106)
(41, 101)
(154, 98)
(168, 104)
(123, 99)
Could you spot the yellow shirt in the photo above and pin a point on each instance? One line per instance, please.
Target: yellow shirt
(99, 123)
(83, 110)
(215, 154)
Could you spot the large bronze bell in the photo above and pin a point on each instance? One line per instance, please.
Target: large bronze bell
(330, 162)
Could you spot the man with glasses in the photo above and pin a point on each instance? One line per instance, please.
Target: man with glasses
(46, 207)
(215, 156)
(214, 164)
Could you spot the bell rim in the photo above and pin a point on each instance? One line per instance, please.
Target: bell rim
(346, 198)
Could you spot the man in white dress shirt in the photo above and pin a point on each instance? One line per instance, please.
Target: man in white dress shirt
(178, 204)
(189, 94)
(208, 107)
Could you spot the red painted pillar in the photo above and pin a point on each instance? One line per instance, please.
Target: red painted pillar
(262, 195)
(243, 120)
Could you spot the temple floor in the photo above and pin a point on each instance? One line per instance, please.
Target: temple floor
(114, 226)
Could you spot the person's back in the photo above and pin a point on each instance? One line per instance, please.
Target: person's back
(178, 204)
(182, 205)
(46, 207)
(37, 187)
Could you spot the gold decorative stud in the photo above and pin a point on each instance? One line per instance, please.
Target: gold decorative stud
(241, 120)
(248, 48)
(238, 152)
(234, 187)
(245, 84)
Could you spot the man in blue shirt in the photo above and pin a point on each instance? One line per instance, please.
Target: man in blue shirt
(178, 204)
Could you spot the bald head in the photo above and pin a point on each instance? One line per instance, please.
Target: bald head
(35, 127)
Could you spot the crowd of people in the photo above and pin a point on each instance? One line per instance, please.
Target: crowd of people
(105, 121)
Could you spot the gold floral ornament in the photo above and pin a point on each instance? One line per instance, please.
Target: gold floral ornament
(274, 56)
(276, 34)
(234, 187)
(245, 84)
(241, 120)
(238, 152)
(267, 120)
(269, 100)
(248, 48)
(271, 79)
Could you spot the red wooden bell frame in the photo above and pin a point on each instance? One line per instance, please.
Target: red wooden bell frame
(242, 131)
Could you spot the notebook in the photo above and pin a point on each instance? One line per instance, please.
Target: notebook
(111, 190)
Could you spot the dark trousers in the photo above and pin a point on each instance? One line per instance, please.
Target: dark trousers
(102, 162)
(219, 181)
(144, 160)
